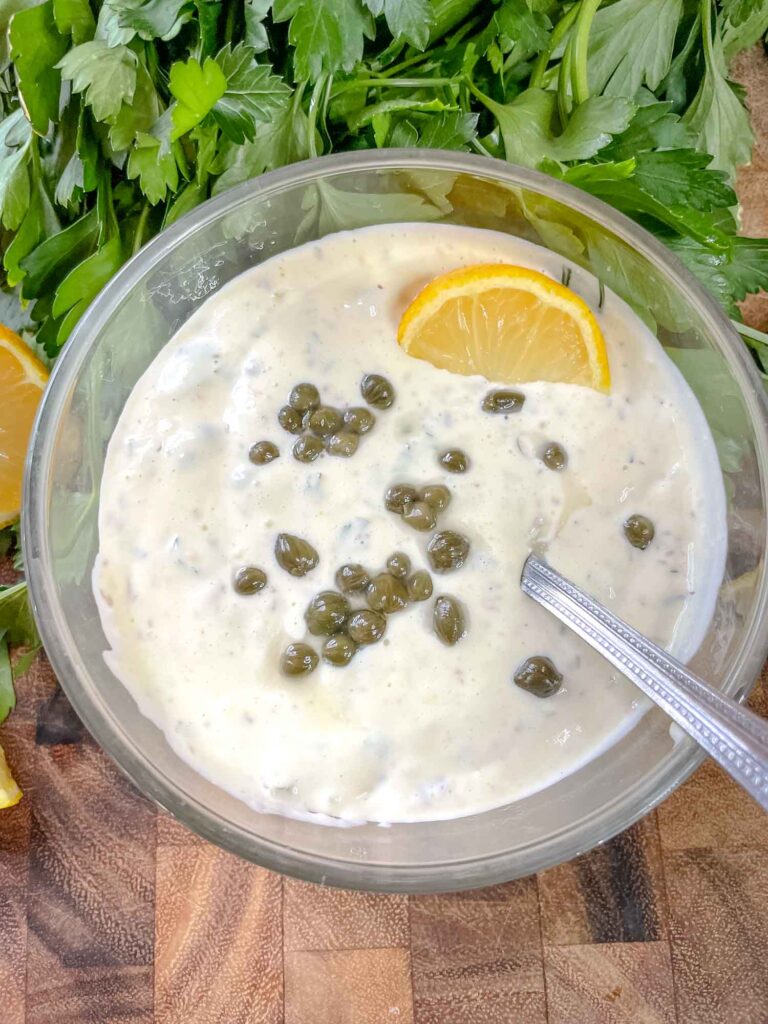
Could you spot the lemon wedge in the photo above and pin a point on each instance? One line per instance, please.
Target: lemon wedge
(511, 324)
(22, 382)
(10, 794)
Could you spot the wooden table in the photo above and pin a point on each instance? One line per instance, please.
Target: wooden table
(112, 912)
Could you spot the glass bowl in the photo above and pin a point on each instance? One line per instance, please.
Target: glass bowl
(155, 292)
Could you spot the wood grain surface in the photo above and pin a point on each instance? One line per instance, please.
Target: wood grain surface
(112, 913)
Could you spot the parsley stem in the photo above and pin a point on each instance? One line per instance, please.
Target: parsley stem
(758, 342)
(754, 338)
(315, 102)
(706, 30)
(138, 238)
(394, 83)
(417, 58)
(580, 53)
(480, 148)
(563, 82)
(229, 25)
(556, 37)
(485, 100)
(464, 30)
(448, 14)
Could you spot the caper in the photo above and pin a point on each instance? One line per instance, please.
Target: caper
(263, 452)
(398, 496)
(295, 555)
(420, 586)
(326, 613)
(290, 420)
(366, 627)
(437, 496)
(351, 577)
(344, 444)
(448, 620)
(454, 460)
(298, 660)
(419, 515)
(307, 448)
(554, 456)
(639, 531)
(503, 401)
(339, 649)
(377, 391)
(325, 420)
(398, 564)
(249, 580)
(447, 550)
(359, 420)
(538, 676)
(303, 397)
(386, 594)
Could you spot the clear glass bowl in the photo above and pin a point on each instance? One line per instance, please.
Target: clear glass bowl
(157, 291)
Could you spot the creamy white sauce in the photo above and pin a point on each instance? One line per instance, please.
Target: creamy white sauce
(410, 730)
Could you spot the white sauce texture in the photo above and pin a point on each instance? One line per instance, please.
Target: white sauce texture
(410, 730)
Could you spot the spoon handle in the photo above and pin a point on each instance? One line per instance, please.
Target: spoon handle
(731, 734)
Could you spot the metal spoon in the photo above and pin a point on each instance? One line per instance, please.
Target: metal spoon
(735, 737)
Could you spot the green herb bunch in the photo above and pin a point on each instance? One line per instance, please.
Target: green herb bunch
(120, 116)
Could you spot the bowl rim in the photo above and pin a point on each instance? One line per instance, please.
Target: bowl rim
(495, 867)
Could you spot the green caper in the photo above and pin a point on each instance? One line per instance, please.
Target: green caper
(351, 577)
(398, 564)
(503, 401)
(295, 555)
(366, 627)
(249, 580)
(344, 444)
(447, 550)
(303, 397)
(325, 420)
(538, 676)
(398, 496)
(554, 456)
(639, 531)
(437, 496)
(307, 448)
(377, 391)
(326, 613)
(419, 515)
(290, 420)
(298, 660)
(386, 594)
(263, 452)
(454, 460)
(339, 649)
(448, 620)
(420, 586)
(359, 420)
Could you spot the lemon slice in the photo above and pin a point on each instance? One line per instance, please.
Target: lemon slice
(10, 794)
(22, 382)
(508, 323)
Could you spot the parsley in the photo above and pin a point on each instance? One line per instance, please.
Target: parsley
(119, 116)
(17, 627)
(326, 35)
(717, 113)
(129, 113)
(526, 126)
(631, 44)
(409, 20)
(105, 74)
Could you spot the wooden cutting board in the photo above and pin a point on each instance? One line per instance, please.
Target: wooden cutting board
(112, 912)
